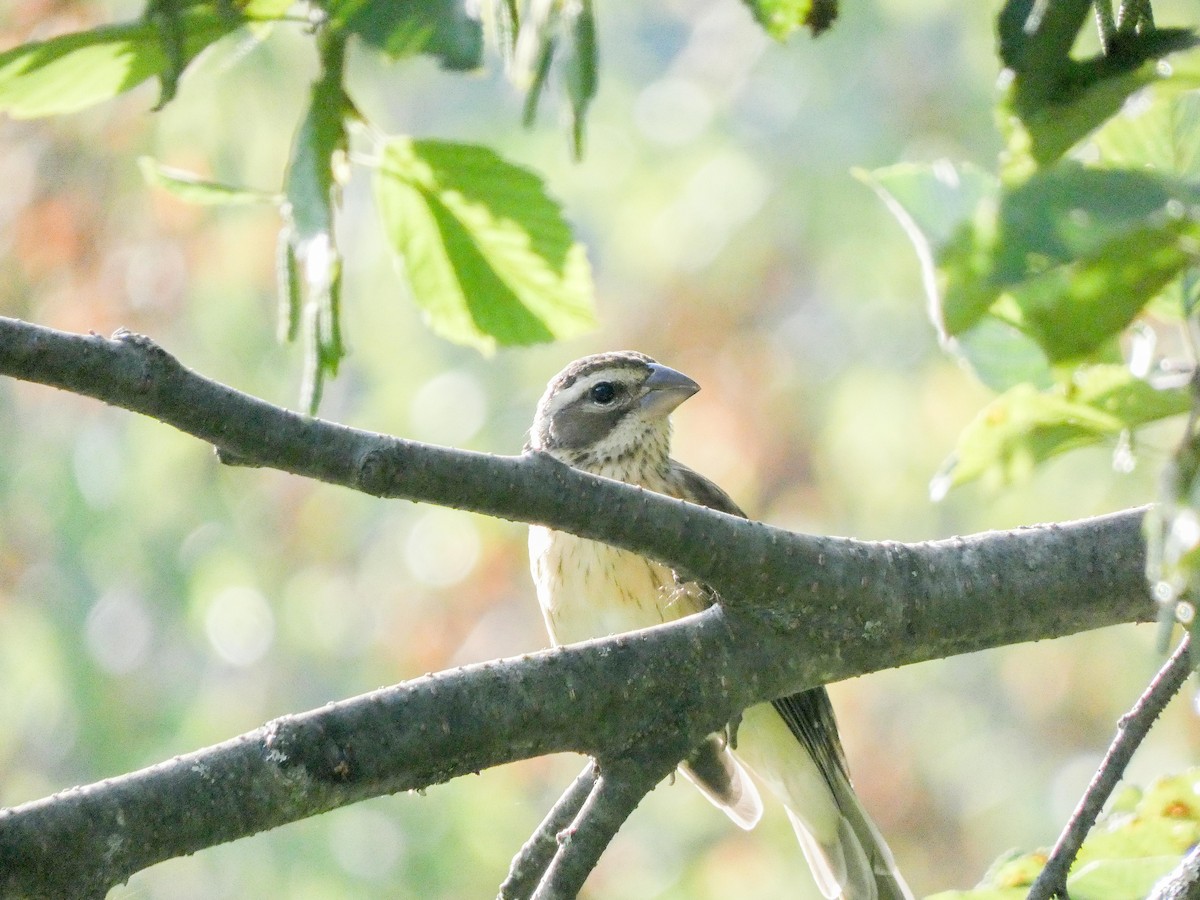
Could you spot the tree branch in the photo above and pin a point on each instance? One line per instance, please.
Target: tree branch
(531, 861)
(617, 792)
(1131, 731)
(798, 611)
(1183, 883)
(793, 580)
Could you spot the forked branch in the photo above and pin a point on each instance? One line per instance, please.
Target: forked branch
(532, 860)
(616, 793)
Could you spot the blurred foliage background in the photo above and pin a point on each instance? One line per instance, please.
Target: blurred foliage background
(152, 602)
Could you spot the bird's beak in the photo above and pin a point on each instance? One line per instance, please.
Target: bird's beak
(666, 389)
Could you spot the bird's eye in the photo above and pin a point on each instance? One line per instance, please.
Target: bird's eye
(603, 393)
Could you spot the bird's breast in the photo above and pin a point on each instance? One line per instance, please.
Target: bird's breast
(587, 589)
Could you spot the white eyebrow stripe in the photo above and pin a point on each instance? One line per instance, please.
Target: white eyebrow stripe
(580, 388)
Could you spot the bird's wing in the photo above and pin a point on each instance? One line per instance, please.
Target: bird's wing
(688, 484)
(848, 856)
(809, 714)
(722, 779)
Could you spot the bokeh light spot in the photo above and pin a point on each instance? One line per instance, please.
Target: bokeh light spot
(240, 625)
(442, 548)
(119, 631)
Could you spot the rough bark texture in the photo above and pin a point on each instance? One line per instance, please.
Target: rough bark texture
(799, 611)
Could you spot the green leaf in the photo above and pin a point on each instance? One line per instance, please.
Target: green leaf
(1045, 130)
(1011, 32)
(1142, 838)
(1002, 357)
(312, 187)
(1118, 879)
(74, 71)
(781, 17)
(1054, 100)
(317, 153)
(287, 275)
(1162, 134)
(486, 253)
(535, 47)
(446, 29)
(933, 203)
(1035, 43)
(1075, 253)
(1054, 109)
(1025, 426)
(580, 67)
(931, 200)
(1072, 311)
(1148, 836)
(191, 188)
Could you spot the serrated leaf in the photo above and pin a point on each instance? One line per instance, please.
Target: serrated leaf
(779, 18)
(191, 188)
(932, 204)
(1162, 134)
(1076, 253)
(1025, 426)
(1055, 107)
(74, 71)
(485, 251)
(447, 29)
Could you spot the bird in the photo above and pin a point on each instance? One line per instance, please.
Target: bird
(609, 414)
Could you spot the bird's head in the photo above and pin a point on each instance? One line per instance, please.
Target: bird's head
(609, 410)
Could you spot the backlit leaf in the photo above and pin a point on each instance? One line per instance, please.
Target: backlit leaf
(1026, 426)
(447, 29)
(485, 251)
(74, 71)
(192, 188)
(781, 17)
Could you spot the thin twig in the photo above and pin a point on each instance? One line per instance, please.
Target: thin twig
(1131, 731)
(531, 861)
(617, 792)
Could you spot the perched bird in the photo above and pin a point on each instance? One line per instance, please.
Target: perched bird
(608, 414)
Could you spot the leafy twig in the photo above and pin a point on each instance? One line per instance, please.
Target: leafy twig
(1131, 731)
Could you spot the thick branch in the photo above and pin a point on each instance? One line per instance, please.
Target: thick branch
(1183, 883)
(691, 679)
(799, 610)
(797, 579)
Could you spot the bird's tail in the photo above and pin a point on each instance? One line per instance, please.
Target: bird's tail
(870, 870)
